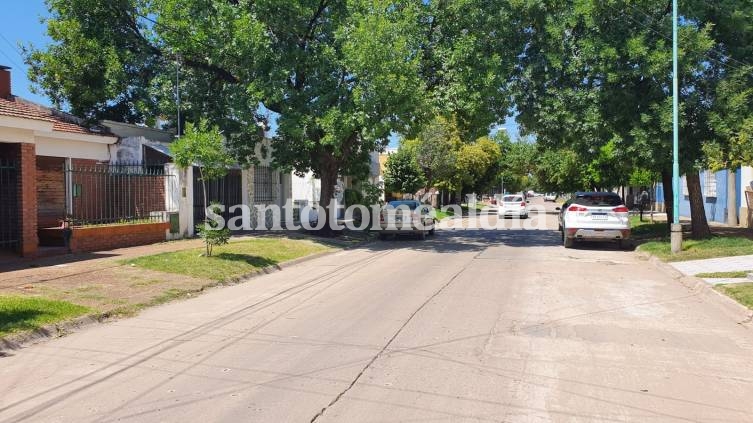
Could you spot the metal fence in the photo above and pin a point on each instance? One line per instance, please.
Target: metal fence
(9, 222)
(116, 193)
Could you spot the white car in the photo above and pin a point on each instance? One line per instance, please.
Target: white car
(513, 206)
(595, 216)
(550, 197)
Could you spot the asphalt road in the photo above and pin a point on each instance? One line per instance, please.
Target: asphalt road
(470, 325)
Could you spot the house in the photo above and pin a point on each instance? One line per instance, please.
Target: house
(61, 189)
(727, 196)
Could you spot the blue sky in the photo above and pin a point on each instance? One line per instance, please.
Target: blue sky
(21, 24)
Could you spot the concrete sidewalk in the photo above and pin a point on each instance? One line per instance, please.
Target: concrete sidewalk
(721, 264)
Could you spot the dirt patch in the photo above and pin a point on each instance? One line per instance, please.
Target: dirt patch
(112, 289)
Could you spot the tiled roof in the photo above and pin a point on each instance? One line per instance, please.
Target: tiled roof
(27, 111)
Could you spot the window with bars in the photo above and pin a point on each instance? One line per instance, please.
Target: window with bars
(263, 184)
(709, 184)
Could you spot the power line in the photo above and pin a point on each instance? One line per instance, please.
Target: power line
(14, 47)
(12, 61)
(719, 55)
(705, 54)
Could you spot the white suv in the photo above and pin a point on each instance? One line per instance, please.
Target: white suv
(595, 216)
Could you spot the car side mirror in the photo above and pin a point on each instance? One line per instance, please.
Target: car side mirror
(557, 209)
(528, 201)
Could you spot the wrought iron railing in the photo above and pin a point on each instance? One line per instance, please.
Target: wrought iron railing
(9, 222)
(99, 194)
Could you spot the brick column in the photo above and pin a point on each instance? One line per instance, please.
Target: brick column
(27, 202)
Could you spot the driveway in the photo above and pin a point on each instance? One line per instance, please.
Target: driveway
(471, 325)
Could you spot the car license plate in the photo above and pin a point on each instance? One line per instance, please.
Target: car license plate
(598, 217)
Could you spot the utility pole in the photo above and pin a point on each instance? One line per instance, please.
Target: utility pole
(676, 228)
(177, 90)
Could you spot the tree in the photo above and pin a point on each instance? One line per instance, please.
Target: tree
(435, 149)
(334, 79)
(402, 173)
(601, 72)
(203, 146)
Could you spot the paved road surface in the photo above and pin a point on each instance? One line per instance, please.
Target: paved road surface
(498, 326)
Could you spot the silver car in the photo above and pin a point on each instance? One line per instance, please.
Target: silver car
(595, 216)
(406, 217)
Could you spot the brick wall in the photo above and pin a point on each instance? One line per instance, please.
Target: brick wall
(27, 204)
(110, 237)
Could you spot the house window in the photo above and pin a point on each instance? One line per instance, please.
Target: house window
(709, 184)
(263, 184)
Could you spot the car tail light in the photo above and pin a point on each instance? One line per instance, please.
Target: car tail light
(577, 209)
(381, 217)
(523, 204)
(621, 209)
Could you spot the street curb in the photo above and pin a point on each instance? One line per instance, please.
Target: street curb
(739, 313)
(58, 330)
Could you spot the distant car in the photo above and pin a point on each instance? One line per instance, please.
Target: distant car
(406, 217)
(594, 216)
(550, 197)
(513, 206)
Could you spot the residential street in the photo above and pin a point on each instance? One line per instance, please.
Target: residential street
(499, 326)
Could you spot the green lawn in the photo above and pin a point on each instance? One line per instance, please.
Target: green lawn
(732, 274)
(718, 246)
(647, 230)
(30, 313)
(441, 214)
(232, 260)
(740, 292)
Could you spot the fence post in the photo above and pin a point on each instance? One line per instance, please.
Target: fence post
(184, 185)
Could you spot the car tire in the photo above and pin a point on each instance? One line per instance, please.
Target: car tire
(382, 237)
(567, 242)
(422, 235)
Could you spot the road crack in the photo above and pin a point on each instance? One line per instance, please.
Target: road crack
(389, 342)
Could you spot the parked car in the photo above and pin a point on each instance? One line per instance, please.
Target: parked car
(406, 217)
(594, 216)
(514, 206)
(550, 196)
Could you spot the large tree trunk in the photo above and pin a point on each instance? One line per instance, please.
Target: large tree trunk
(700, 226)
(326, 199)
(666, 181)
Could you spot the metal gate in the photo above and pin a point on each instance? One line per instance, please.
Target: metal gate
(9, 223)
(225, 191)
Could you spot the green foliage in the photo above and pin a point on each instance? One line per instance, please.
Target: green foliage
(211, 233)
(435, 149)
(337, 77)
(202, 146)
(352, 196)
(402, 174)
(372, 193)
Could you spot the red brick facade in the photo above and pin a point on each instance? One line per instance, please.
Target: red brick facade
(110, 237)
(27, 204)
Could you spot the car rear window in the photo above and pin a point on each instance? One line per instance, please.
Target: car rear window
(598, 200)
(412, 205)
(512, 198)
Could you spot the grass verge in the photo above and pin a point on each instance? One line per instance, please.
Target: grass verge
(645, 230)
(718, 246)
(230, 261)
(733, 274)
(19, 313)
(740, 292)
